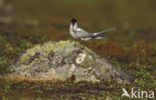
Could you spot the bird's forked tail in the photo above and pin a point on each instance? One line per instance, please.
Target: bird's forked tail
(110, 29)
(96, 35)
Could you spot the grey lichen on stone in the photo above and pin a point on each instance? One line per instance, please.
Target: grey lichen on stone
(41, 51)
(64, 59)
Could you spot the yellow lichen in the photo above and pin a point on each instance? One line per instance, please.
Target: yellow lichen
(43, 49)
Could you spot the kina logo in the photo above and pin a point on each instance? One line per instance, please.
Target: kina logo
(137, 93)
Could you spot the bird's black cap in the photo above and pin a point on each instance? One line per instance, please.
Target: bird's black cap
(73, 20)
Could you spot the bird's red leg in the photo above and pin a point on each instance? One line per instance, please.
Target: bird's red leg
(81, 41)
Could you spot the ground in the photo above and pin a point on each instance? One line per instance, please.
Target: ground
(132, 47)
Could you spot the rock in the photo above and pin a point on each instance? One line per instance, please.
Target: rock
(6, 12)
(64, 60)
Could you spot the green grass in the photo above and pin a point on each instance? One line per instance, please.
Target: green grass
(132, 47)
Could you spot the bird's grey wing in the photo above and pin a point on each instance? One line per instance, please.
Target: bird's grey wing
(82, 33)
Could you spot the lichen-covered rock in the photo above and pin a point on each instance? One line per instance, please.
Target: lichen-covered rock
(63, 60)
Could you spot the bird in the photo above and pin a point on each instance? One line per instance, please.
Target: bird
(81, 34)
(125, 93)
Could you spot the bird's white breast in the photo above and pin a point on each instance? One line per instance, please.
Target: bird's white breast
(73, 34)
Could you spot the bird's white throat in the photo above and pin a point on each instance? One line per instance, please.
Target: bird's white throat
(73, 27)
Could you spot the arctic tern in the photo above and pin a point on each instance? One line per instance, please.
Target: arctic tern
(81, 34)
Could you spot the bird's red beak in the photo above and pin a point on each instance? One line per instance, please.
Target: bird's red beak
(73, 25)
